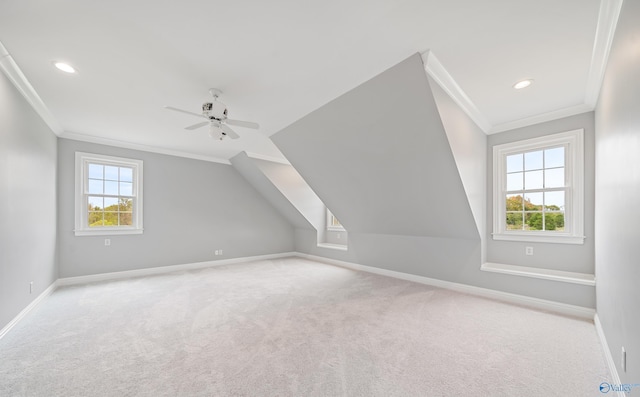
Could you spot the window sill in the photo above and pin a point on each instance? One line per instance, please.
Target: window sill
(539, 238)
(545, 274)
(338, 247)
(104, 232)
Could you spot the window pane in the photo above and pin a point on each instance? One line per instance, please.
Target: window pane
(126, 174)
(554, 177)
(110, 203)
(125, 205)
(95, 186)
(514, 181)
(95, 219)
(554, 201)
(110, 173)
(126, 189)
(514, 163)
(96, 171)
(125, 219)
(95, 203)
(514, 220)
(554, 221)
(110, 218)
(533, 161)
(111, 187)
(554, 157)
(533, 180)
(534, 221)
(514, 202)
(533, 202)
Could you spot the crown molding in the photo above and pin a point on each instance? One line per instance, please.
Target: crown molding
(19, 80)
(608, 16)
(441, 76)
(135, 146)
(540, 118)
(605, 30)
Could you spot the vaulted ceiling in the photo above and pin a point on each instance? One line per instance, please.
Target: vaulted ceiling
(277, 61)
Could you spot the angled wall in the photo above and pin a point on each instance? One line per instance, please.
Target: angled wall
(468, 145)
(249, 168)
(378, 156)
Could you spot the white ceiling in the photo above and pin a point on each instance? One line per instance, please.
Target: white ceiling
(278, 60)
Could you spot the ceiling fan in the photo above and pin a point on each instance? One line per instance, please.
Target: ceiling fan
(216, 114)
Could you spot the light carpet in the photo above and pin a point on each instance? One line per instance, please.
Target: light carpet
(292, 327)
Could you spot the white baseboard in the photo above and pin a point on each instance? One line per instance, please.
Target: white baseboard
(132, 273)
(165, 269)
(27, 309)
(607, 354)
(556, 307)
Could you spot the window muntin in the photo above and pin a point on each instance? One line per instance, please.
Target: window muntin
(108, 195)
(538, 189)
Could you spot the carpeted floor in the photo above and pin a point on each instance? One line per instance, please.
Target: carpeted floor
(292, 327)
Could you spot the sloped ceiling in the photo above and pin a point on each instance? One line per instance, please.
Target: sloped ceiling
(277, 61)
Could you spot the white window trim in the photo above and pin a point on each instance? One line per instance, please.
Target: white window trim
(574, 140)
(81, 165)
(330, 223)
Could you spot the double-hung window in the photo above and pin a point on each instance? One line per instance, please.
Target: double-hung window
(108, 195)
(538, 189)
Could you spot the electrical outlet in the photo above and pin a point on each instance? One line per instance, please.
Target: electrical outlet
(31, 289)
(528, 250)
(623, 360)
(107, 241)
(218, 252)
(338, 235)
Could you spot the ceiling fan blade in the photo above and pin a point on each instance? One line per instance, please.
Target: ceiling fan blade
(230, 133)
(196, 126)
(183, 111)
(246, 124)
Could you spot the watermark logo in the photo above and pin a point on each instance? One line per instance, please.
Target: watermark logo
(606, 387)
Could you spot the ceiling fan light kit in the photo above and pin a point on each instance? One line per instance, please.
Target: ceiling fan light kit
(216, 114)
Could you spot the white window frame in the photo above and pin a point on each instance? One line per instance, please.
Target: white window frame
(81, 193)
(330, 227)
(574, 199)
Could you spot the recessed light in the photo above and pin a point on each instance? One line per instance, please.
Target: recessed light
(65, 67)
(523, 84)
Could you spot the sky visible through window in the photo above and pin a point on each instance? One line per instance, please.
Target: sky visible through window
(542, 169)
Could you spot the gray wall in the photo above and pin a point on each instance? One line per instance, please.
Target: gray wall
(468, 145)
(249, 169)
(27, 203)
(567, 257)
(294, 188)
(289, 193)
(379, 158)
(191, 209)
(390, 154)
(618, 195)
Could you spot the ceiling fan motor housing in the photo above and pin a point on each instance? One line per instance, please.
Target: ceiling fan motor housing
(214, 110)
